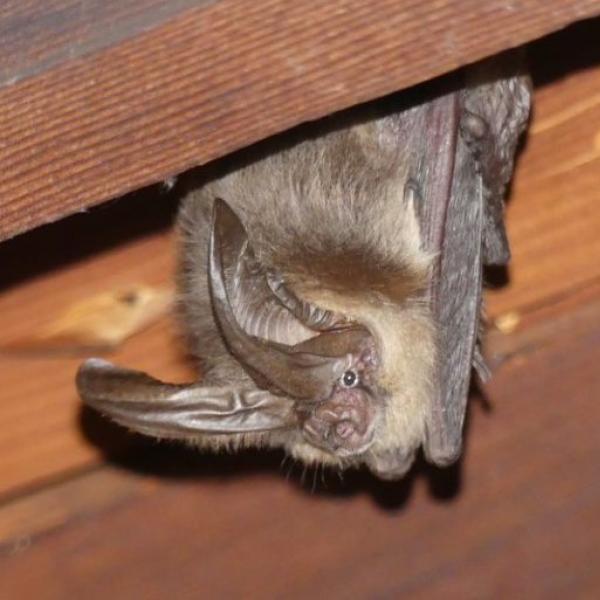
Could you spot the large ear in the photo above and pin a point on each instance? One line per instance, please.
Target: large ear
(307, 370)
(143, 404)
(308, 314)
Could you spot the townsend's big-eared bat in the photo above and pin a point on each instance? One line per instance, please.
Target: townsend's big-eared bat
(332, 287)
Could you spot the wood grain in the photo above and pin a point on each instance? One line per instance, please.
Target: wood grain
(558, 318)
(36, 36)
(80, 496)
(223, 75)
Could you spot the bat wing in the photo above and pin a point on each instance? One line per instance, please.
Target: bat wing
(495, 109)
(463, 222)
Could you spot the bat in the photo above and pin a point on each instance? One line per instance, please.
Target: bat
(331, 286)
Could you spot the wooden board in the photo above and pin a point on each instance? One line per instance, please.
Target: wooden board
(39, 35)
(204, 81)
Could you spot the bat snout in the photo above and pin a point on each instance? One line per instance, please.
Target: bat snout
(344, 424)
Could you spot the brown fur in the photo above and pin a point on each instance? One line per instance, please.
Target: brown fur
(332, 219)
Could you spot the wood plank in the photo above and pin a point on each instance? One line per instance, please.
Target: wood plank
(44, 433)
(36, 36)
(59, 505)
(569, 316)
(221, 76)
(517, 518)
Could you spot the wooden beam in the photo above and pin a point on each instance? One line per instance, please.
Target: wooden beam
(222, 75)
(37, 35)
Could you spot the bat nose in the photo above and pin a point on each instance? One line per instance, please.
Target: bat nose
(344, 429)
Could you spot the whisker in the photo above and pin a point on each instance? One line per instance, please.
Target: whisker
(284, 461)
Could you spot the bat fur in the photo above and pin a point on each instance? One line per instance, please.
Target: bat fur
(333, 221)
(340, 216)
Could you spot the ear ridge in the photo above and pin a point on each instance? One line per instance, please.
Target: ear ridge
(144, 404)
(291, 369)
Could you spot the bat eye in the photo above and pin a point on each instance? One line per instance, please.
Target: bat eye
(349, 379)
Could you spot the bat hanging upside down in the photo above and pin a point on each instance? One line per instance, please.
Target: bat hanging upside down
(332, 288)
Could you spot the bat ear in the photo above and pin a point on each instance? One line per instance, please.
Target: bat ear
(307, 370)
(144, 404)
(308, 314)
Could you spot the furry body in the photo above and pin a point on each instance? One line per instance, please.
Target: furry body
(334, 222)
(331, 286)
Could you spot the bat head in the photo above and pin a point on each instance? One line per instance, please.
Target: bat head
(317, 372)
(328, 376)
(344, 423)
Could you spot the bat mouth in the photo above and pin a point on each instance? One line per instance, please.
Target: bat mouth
(344, 425)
